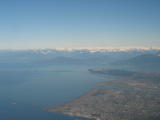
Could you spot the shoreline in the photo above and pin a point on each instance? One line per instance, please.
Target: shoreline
(137, 97)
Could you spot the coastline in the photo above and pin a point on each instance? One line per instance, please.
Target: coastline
(132, 97)
(115, 104)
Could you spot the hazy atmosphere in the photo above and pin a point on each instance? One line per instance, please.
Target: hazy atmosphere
(79, 59)
(79, 23)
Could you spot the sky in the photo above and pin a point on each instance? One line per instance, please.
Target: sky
(30, 24)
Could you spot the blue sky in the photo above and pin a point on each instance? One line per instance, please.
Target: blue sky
(79, 23)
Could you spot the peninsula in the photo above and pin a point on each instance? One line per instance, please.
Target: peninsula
(134, 96)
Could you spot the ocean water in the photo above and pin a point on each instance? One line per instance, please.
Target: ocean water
(24, 92)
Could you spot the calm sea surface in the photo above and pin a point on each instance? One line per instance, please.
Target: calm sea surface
(24, 92)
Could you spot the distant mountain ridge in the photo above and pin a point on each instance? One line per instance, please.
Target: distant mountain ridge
(73, 56)
(146, 61)
(146, 58)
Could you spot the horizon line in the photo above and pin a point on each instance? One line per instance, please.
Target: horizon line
(86, 48)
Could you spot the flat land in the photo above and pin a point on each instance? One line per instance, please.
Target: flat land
(123, 99)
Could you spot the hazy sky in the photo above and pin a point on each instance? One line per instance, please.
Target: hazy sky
(79, 23)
